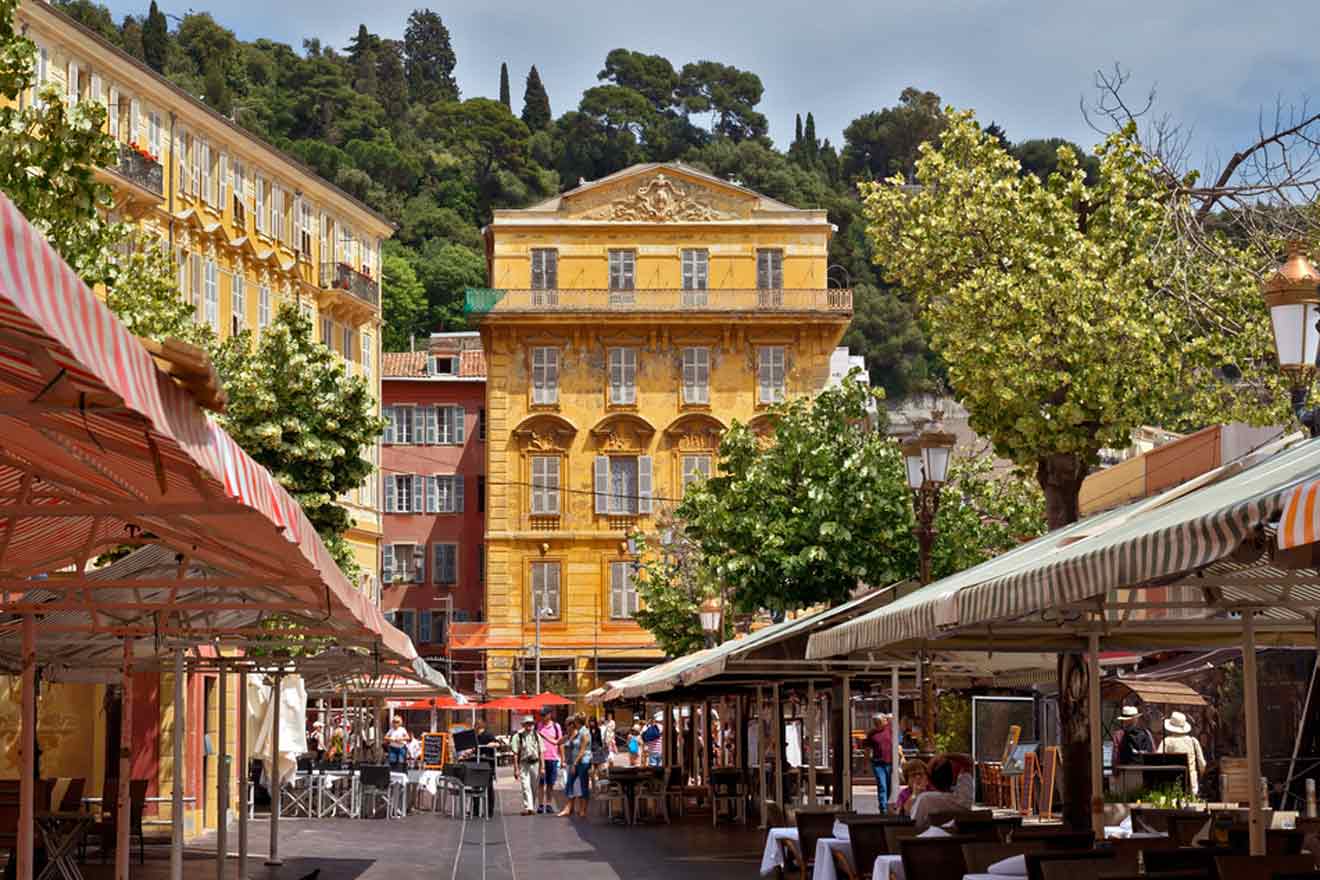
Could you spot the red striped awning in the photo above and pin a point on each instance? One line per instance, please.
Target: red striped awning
(100, 448)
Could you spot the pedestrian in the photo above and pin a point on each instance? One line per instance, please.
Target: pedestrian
(551, 735)
(635, 746)
(881, 743)
(1136, 738)
(397, 740)
(316, 740)
(1179, 741)
(653, 741)
(600, 751)
(577, 758)
(608, 731)
(527, 762)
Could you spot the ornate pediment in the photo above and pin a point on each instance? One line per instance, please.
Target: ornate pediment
(545, 432)
(623, 433)
(659, 198)
(695, 432)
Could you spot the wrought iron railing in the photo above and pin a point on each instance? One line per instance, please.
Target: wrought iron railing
(142, 170)
(342, 276)
(837, 301)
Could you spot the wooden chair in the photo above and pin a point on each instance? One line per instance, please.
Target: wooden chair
(1262, 867)
(944, 817)
(1128, 850)
(1037, 860)
(980, 856)
(1200, 859)
(987, 830)
(728, 789)
(868, 841)
(652, 792)
(812, 825)
(1055, 837)
(933, 858)
(1278, 841)
(895, 835)
(843, 868)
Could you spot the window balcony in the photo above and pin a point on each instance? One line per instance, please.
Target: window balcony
(141, 170)
(342, 276)
(834, 302)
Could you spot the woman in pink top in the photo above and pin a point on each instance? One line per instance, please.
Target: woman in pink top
(551, 736)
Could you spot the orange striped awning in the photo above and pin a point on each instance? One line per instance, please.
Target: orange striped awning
(1299, 523)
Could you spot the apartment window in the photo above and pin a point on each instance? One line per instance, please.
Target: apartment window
(545, 590)
(239, 185)
(307, 226)
(403, 494)
(349, 340)
(406, 618)
(696, 273)
(623, 484)
(154, 130)
(112, 111)
(444, 566)
(403, 563)
(623, 272)
(446, 365)
(545, 375)
(545, 485)
(96, 89)
(43, 75)
(71, 83)
(481, 494)
(623, 591)
(623, 375)
(134, 115)
(195, 282)
(222, 183)
(399, 424)
(695, 468)
(198, 149)
(444, 494)
(545, 276)
(327, 332)
(238, 304)
(204, 160)
(263, 217)
(327, 236)
(769, 268)
(211, 295)
(696, 375)
(368, 352)
(448, 421)
(263, 306)
(770, 374)
(277, 213)
(424, 627)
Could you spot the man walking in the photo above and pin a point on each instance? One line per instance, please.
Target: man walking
(551, 735)
(652, 741)
(881, 743)
(527, 762)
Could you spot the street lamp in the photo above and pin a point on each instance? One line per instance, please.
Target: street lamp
(926, 456)
(1292, 295)
(711, 613)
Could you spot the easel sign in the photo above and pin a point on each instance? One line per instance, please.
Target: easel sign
(1049, 767)
(434, 749)
(1010, 750)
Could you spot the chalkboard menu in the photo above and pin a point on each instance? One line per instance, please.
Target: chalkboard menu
(433, 750)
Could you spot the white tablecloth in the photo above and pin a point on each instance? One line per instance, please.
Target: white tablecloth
(840, 830)
(773, 857)
(429, 781)
(887, 867)
(824, 867)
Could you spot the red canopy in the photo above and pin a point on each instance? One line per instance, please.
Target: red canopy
(432, 703)
(527, 702)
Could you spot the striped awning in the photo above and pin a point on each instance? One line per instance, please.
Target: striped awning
(1180, 531)
(1300, 522)
(102, 449)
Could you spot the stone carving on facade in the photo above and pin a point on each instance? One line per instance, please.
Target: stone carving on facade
(545, 434)
(623, 434)
(665, 199)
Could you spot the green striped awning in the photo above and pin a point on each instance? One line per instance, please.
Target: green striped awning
(480, 300)
(1182, 530)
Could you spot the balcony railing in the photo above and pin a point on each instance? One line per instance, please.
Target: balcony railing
(831, 301)
(145, 172)
(342, 276)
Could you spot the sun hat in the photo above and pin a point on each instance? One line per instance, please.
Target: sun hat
(528, 719)
(1177, 723)
(1129, 713)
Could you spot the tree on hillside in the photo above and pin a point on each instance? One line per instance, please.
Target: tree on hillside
(91, 15)
(536, 103)
(728, 94)
(505, 98)
(155, 38)
(885, 142)
(403, 300)
(651, 76)
(392, 82)
(492, 140)
(1040, 157)
(430, 58)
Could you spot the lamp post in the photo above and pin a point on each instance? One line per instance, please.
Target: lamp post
(1292, 295)
(711, 613)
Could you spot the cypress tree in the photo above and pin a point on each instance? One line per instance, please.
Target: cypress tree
(155, 38)
(797, 130)
(809, 142)
(504, 87)
(536, 103)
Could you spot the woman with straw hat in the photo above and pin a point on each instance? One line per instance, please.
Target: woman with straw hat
(1179, 741)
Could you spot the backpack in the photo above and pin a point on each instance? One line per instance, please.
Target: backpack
(528, 748)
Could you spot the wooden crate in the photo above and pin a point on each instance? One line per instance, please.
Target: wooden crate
(1234, 782)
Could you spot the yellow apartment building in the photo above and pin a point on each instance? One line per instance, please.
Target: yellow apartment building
(628, 323)
(248, 226)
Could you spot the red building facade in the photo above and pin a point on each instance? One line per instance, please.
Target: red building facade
(433, 465)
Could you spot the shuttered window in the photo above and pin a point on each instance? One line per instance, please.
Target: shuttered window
(696, 272)
(401, 419)
(695, 469)
(545, 375)
(545, 485)
(445, 494)
(263, 307)
(424, 627)
(545, 590)
(449, 424)
(770, 374)
(623, 375)
(387, 564)
(238, 305)
(444, 565)
(696, 375)
(623, 591)
(623, 277)
(623, 484)
(211, 295)
(368, 353)
(769, 268)
(545, 269)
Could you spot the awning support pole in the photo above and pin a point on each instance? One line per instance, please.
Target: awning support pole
(244, 782)
(759, 759)
(777, 719)
(1096, 755)
(27, 786)
(123, 809)
(810, 738)
(846, 756)
(176, 789)
(896, 751)
(273, 773)
(1301, 729)
(222, 776)
(1252, 709)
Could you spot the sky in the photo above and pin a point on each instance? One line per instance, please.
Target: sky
(1026, 64)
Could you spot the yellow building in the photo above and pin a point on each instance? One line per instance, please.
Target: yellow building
(249, 227)
(629, 322)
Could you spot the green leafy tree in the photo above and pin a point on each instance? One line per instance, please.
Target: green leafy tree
(392, 82)
(505, 98)
(536, 102)
(296, 412)
(91, 15)
(886, 331)
(493, 141)
(672, 582)
(728, 94)
(651, 76)
(983, 514)
(879, 144)
(155, 38)
(430, 58)
(404, 305)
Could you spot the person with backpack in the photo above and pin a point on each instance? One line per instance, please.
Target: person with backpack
(652, 740)
(527, 762)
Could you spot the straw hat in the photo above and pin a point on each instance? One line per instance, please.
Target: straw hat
(1177, 723)
(1129, 713)
(528, 719)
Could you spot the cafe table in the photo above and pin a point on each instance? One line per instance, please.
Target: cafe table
(824, 867)
(61, 833)
(773, 856)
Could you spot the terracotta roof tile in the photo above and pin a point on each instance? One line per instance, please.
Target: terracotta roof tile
(472, 364)
(404, 363)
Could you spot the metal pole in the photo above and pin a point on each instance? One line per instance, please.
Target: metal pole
(1093, 721)
(243, 777)
(847, 742)
(810, 743)
(895, 752)
(760, 759)
(222, 777)
(1252, 709)
(122, 807)
(274, 774)
(27, 785)
(536, 610)
(1301, 727)
(777, 721)
(176, 791)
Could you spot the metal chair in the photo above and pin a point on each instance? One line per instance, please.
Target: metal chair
(651, 791)
(475, 783)
(609, 794)
(728, 788)
(375, 787)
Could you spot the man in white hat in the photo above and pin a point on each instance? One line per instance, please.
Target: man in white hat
(1178, 740)
(527, 762)
(1136, 738)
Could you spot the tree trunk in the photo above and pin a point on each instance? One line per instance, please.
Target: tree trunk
(1060, 477)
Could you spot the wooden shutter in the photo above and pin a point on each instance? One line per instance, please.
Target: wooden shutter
(387, 562)
(458, 493)
(387, 412)
(418, 491)
(644, 482)
(419, 563)
(764, 393)
(71, 84)
(602, 484)
(432, 494)
(431, 434)
(629, 375)
(112, 108)
(389, 493)
(223, 202)
(460, 415)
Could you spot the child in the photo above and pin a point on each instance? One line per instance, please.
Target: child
(635, 746)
